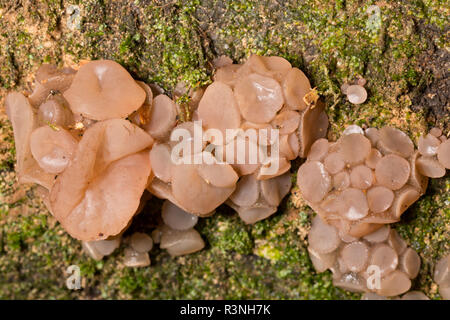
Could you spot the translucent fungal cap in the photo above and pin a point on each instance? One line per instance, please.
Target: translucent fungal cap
(364, 179)
(85, 134)
(181, 242)
(133, 258)
(356, 94)
(379, 263)
(259, 98)
(141, 242)
(176, 218)
(255, 199)
(23, 121)
(218, 108)
(53, 148)
(88, 197)
(94, 94)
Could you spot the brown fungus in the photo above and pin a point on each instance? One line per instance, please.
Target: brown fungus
(356, 94)
(162, 117)
(430, 167)
(410, 263)
(193, 193)
(88, 197)
(218, 108)
(392, 140)
(23, 121)
(372, 264)
(314, 182)
(93, 92)
(141, 242)
(392, 171)
(351, 184)
(259, 98)
(323, 238)
(181, 242)
(133, 258)
(442, 271)
(54, 112)
(353, 148)
(379, 198)
(53, 148)
(443, 154)
(176, 218)
(295, 86)
(428, 145)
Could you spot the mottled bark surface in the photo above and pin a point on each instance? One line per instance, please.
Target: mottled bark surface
(402, 52)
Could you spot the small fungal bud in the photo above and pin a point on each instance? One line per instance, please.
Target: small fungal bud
(183, 242)
(323, 238)
(356, 94)
(135, 259)
(361, 82)
(106, 247)
(353, 128)
(90, 248)
(344, 87)
(176, 218)
(394, 284)
(430, 167)
(141, 242)
(156, 235)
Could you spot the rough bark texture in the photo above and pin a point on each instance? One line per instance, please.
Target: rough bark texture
(401, 52)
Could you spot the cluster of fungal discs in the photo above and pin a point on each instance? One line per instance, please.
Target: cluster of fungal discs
(95, 140)
(250, 100)
(379, 262)
(359, 184)
(365, 179)
(434, 149)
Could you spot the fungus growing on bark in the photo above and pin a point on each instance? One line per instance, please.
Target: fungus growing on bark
(363, 180)
(356, 94)
(255, 200)
(434, 156)
(88, 197)
(53, 148)
(353, 261)
(94, 95)
(95, 129)
(98, 249)
(23, 121)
